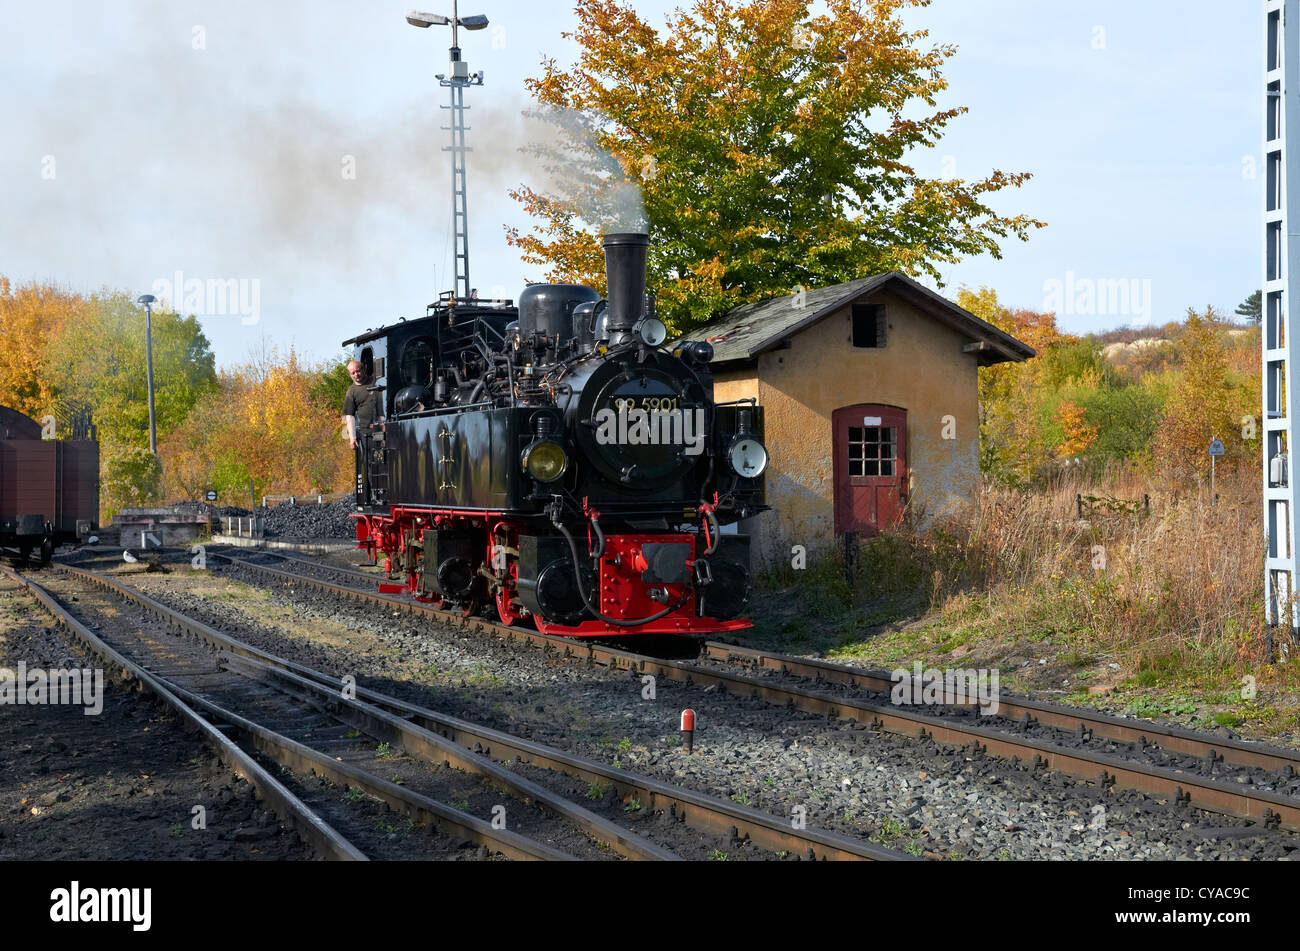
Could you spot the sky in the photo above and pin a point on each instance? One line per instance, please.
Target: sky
(283, 158)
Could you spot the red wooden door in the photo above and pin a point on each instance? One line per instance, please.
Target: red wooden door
(870, 465)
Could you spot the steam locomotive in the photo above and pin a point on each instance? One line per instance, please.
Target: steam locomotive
(555, 458)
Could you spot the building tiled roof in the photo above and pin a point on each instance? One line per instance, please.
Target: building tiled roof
(750, 329)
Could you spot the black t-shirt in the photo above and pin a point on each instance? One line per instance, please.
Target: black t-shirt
(363, 403)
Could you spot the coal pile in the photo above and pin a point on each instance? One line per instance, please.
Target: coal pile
(309, 520)
(211, 511)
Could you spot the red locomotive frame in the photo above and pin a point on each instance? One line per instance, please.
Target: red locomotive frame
(621, 593)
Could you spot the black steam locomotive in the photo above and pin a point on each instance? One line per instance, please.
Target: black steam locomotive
(556, 459)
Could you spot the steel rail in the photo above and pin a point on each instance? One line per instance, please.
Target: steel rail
(291, 754)
(292, 678)
(1207, 793)
(1173, 738)
(421, 743)
(706, 813)
(314, 830)
(1103, 725)
(439, 737)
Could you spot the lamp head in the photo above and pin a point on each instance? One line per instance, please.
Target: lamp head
(426, 20)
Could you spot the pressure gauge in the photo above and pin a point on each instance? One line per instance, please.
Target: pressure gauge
(747, 457)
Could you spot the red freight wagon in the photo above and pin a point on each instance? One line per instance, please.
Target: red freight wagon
(49, 488)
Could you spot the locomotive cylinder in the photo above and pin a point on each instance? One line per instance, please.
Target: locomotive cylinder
(625, 270)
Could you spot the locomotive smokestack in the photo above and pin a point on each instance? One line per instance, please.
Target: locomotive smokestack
(625, 261)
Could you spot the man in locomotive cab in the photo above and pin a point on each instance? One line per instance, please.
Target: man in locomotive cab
(361, 408)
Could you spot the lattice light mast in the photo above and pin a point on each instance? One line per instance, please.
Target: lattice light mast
(1280, 334)
(456, 79)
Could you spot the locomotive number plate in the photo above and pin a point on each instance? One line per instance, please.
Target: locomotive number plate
(647, 403)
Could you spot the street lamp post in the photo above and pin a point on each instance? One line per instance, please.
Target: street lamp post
(148, 301)
(457, 79)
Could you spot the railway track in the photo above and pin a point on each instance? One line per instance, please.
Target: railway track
(437, 739)
(1221, 775)
(305, 735)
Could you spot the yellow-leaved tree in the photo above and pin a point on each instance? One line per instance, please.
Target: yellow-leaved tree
(274, 421)
(31, 318)
(1204, 404)
(769, 147)
(1078, 435)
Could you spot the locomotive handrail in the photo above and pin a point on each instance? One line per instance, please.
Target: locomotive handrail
(446, 410)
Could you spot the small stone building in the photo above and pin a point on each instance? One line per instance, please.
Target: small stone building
(870, 391)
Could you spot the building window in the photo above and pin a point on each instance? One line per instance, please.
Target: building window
(868, 325)
(873, 450)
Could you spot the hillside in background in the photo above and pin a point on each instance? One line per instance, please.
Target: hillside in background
(1147, 399)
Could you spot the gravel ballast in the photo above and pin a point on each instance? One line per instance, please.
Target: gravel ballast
(841, 776)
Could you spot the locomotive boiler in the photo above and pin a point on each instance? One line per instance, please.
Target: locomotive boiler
(555, 458)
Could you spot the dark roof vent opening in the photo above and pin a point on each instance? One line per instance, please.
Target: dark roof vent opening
(868, 325)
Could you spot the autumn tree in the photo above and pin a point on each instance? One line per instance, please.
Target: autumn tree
(1077, 434)
(273, 420)
(31, 317)
(111, 375)
(1201, 406)
(771, 149)
(1015, 415)
(100, 360)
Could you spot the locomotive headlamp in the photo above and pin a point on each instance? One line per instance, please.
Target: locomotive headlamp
(652, 331)
(746, 456)
(696, 353)
(545, 460)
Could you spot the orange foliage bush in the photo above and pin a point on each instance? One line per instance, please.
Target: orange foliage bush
(267, 423)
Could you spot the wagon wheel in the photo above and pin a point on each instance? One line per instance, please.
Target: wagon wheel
(47, 550)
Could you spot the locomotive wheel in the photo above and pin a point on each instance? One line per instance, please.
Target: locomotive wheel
(504, 596)
(505, 609)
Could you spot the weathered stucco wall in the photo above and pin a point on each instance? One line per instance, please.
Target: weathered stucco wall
(732, 384)
(921, 369)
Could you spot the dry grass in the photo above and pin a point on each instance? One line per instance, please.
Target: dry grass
(1183, 580)
(1172, 597)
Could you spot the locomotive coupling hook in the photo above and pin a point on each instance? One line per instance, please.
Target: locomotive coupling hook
(703, 573)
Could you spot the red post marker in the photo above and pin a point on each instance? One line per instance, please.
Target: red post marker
(688, 729)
